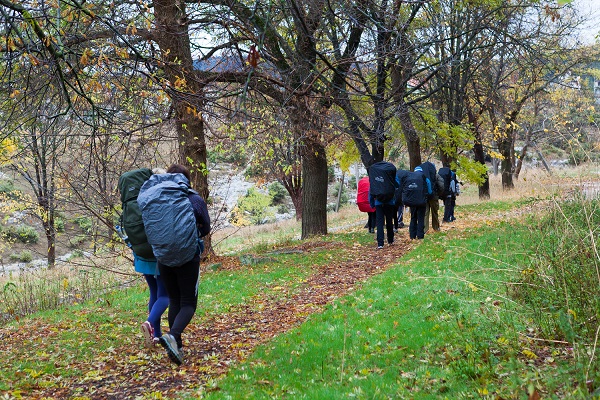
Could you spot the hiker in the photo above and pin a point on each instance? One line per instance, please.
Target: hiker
(399, 212)
(362, 200)
(144, 263)
(175, 219)
(383, 184)
(433, 202)
(451, 190)
(453, 197)
(416, 188)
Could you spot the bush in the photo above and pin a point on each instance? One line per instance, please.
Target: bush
(344, 198)
(251, 209)
(85, 224)
(21, 233)
(352, 183)
(24, 256)
(277, 192)
(7, 188)
(77, 241)
(561, 284)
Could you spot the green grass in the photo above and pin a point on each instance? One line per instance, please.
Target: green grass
(440, 324)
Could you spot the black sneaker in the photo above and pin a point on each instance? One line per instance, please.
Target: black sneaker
(170, 344)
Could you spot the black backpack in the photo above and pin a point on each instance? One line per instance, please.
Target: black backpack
(414, 189)
(131, 216)
(382, 181)
(447, 174)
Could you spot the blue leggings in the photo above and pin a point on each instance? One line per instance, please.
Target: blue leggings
(159, 300)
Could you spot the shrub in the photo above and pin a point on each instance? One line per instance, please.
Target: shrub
(352, 183)
(277, 192)
(251, 209)
(24, 256)
(344, 198)
(561, 284)
(21, 233)
(7, 188)
(77, 241)
(59, 224)
(85, 224)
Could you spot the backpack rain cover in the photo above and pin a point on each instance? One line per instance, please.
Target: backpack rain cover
(169, 218)
(382, 180)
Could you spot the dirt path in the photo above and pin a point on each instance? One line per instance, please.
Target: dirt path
(217, 343)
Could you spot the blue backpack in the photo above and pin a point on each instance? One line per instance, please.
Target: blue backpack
(169, 218)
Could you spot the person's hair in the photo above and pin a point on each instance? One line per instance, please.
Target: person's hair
(179, 169)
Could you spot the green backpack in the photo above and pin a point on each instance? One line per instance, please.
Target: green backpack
(131, 217)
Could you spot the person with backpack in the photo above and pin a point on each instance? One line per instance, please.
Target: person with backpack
(382, 188)
(455, 194)
(449, 193)
(399, 213)
(175, 219)
(416, 188)
(131, 230)
(362, 200)
(433, 201)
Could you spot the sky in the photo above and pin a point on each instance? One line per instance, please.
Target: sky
(589, 8)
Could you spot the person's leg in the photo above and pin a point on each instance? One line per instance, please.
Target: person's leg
(187, 280)
(452, 206)
(379, 216)
(447, 206)
(390, 211)
(371, 222)
(159, 306)
(420, 221)
(151, 281)
(434, 207)
(401, 216)
(170, 280)
(426, 226)
(395, 218)
(412, 227)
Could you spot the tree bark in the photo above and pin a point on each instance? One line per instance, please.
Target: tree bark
(187, 92)
(314, 193)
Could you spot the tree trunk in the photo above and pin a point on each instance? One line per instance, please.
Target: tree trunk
(339, 195)
(413, 142)
(51, 241)
(293, 184)
(186, 92)
(504, 147)
(479, 156)
(314, 191)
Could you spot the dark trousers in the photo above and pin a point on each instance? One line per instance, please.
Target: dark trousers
(371, 222)
(385, 212)
(448, 209)
(416, 229)
(182, 285)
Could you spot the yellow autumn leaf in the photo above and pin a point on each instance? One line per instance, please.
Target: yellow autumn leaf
(529, 354)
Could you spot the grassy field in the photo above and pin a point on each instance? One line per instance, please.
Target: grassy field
(446, 317)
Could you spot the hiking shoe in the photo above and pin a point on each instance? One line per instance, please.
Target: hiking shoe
(148, 333)
(170, 344)
(401, 225)
(379, 247)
